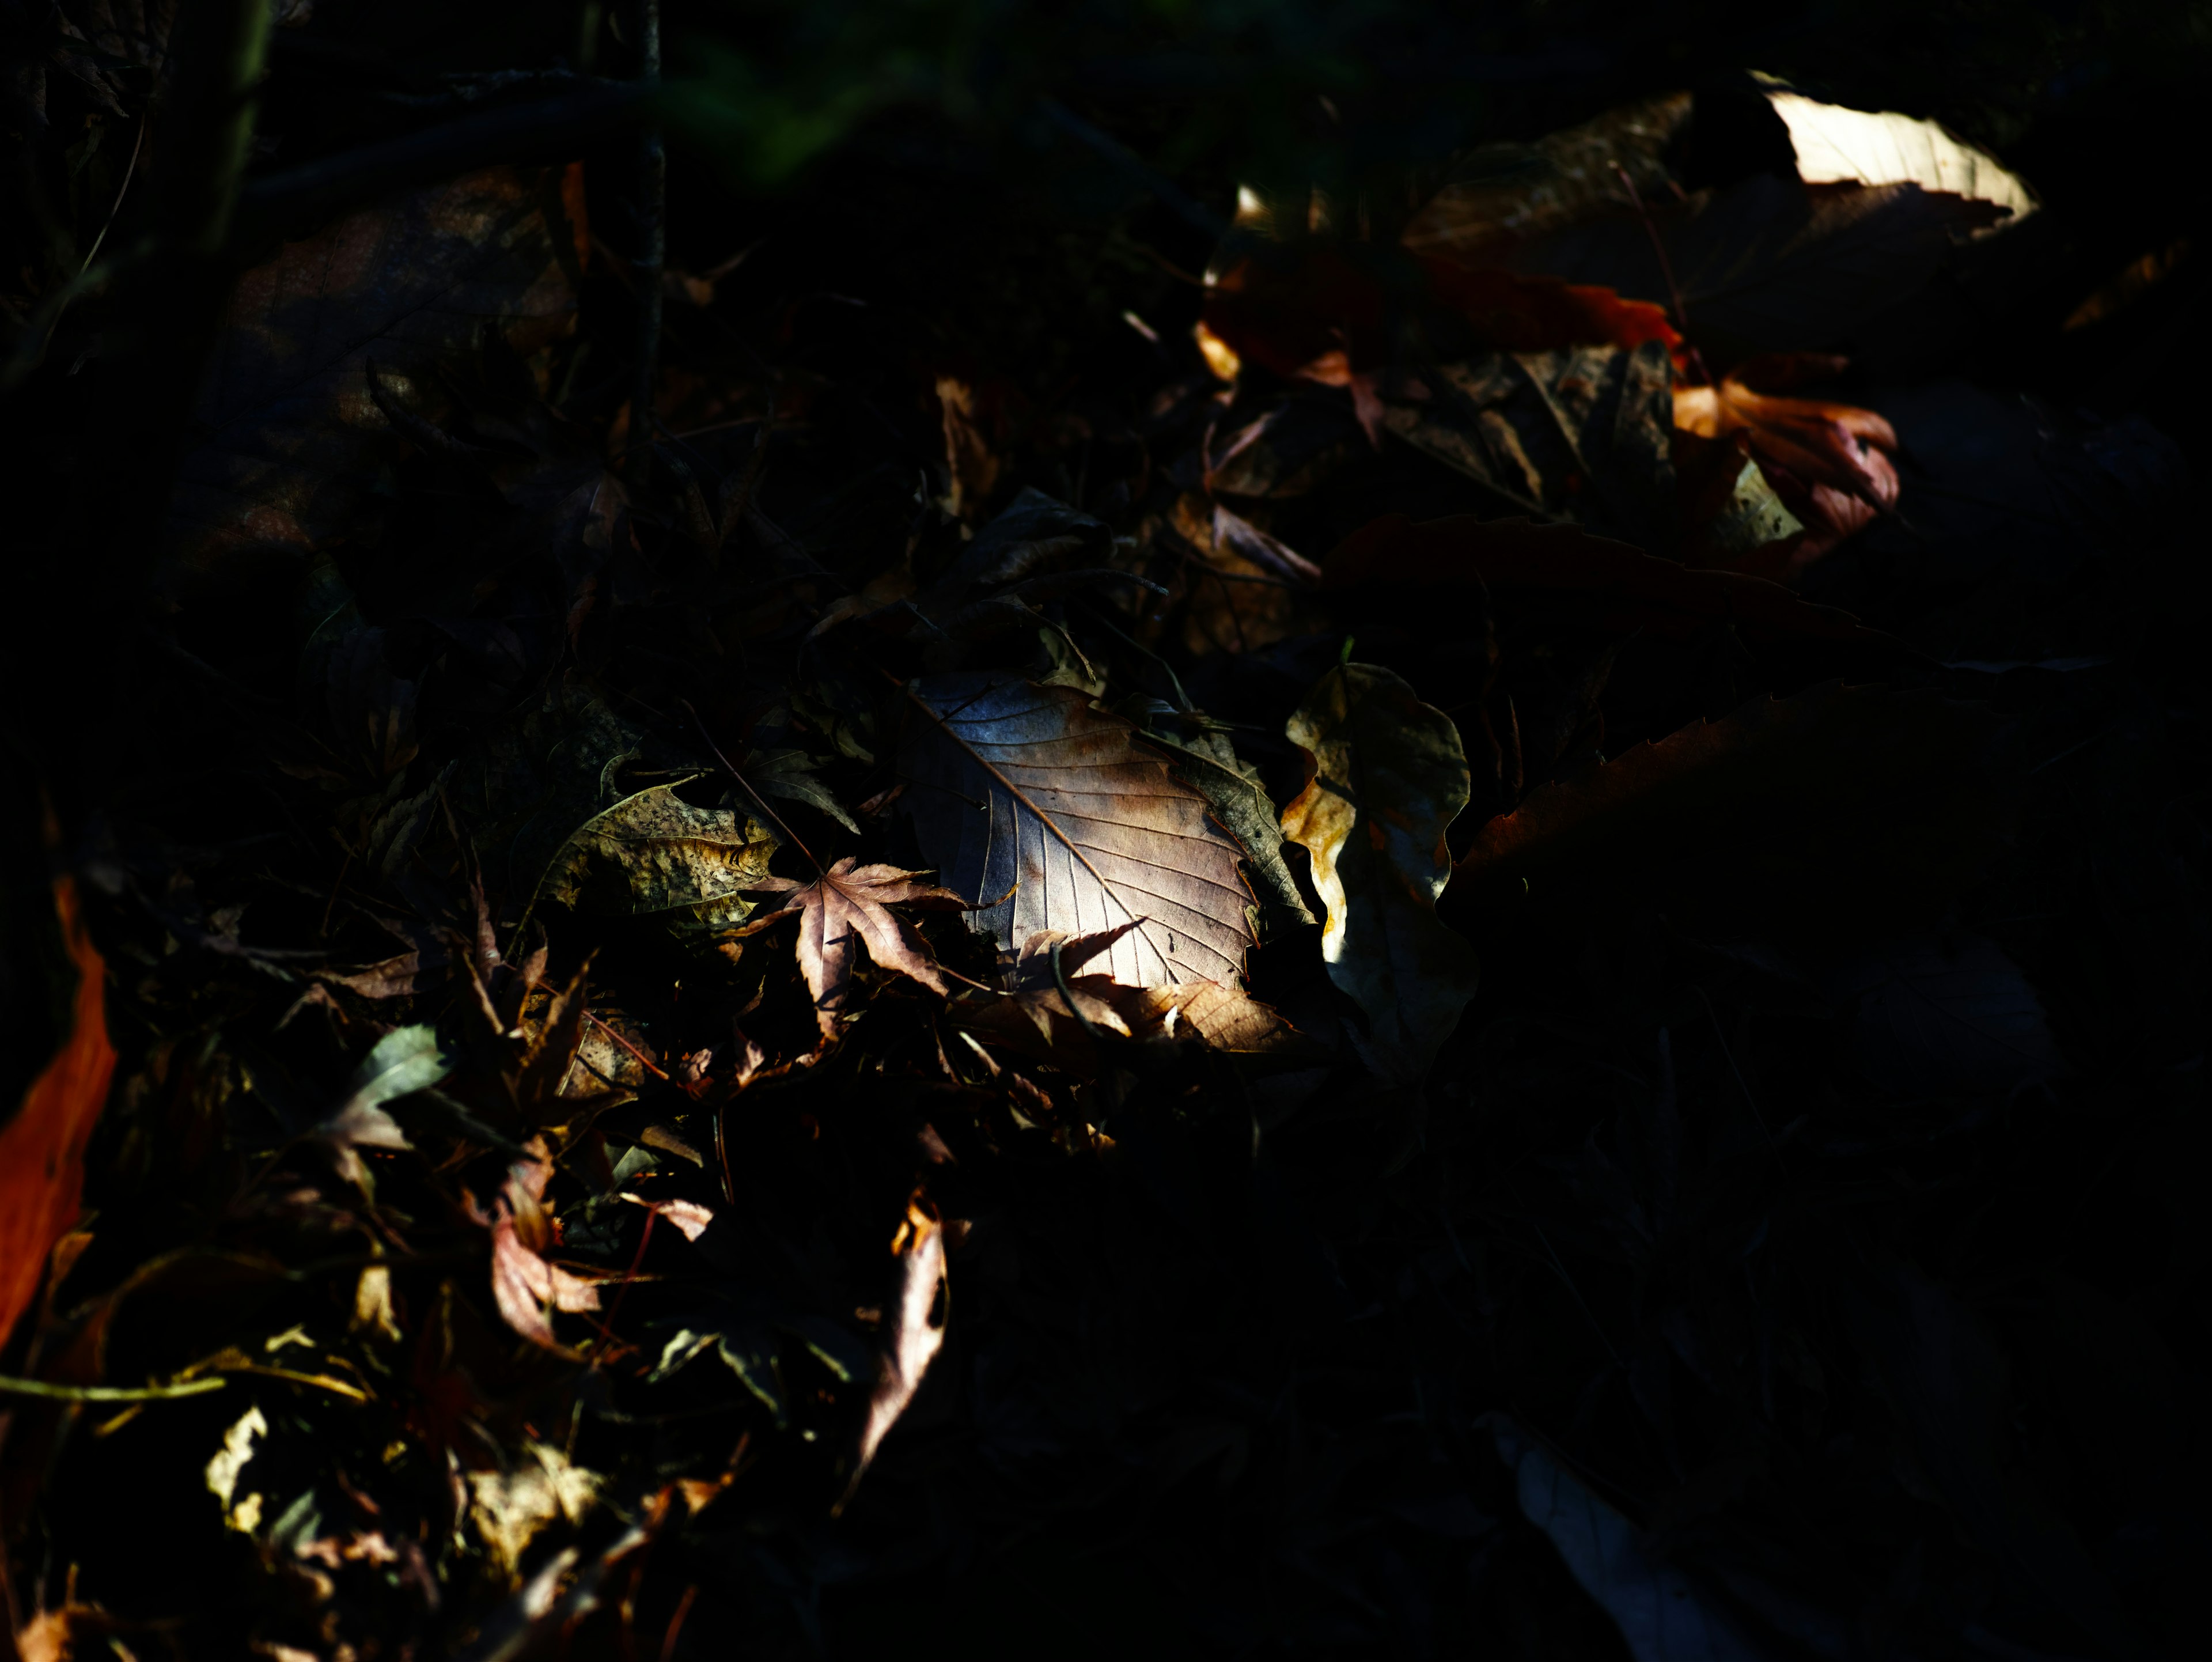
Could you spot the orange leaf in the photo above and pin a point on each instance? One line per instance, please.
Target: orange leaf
(1829, 462)
(42, 1148)
(1327, 313)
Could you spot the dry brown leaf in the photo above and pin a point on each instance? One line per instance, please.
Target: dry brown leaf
(1046, 812)
(916, 1340)
(847, 908)
(1833, 459)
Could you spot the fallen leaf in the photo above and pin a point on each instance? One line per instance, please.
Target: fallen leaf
(1662, 1615)
(1044, 812)
(1501, 192)
(1581, 434)
(1833, 458)
(1386, 775)
(845, 909)
(654, 855)
(526, 1289)
(1328, 312)
(1203, 754)
(1626, 589)
(1836, 145)
(288, 429)
(405, 1061)
(1930, 1015)
(1768, 264)
(42, 1145)
(916, 1339)
(510, 1509)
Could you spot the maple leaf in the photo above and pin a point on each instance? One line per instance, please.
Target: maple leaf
(848, 907)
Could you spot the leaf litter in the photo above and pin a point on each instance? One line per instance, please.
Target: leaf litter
(848, 1007)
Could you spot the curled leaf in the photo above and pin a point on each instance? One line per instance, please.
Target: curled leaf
(1387, 777)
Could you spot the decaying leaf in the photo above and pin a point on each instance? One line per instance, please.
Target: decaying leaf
(654, 855)
(1501, 192)
(1580, 435)
(42, 1146)
(846, 908)
(1386, 775)
(917, 1315)
(1045, 813)
(287, 421)
(526, 1289)
(511, 1508)
(1767, 265)
(1203, 754)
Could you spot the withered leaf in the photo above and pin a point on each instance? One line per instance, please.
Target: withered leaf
(1768, 265)
(1203, 754)
(654, 855)
(849, 908)
(1582, 433)
(916, 1338)
(1044, 812)
(1386, 775)
(1836, 145)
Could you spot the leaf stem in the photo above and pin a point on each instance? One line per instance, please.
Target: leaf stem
(10, 1386)
(760, 802)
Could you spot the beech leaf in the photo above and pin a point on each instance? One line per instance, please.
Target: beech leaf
(1386, 775)
(1045, 813)
(849, 908)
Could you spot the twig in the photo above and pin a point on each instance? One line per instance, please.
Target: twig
(1666, 270)
(760, 802)
(10, 1386)
(544, 129)
(644, 1061)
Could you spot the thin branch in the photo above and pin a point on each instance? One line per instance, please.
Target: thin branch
(10, 1386)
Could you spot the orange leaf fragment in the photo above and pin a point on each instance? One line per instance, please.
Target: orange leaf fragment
(42, 1147)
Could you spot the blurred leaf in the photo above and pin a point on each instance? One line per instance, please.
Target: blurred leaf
(1659, 1611)
(290, 437)
(1853, 797)
(1385, 776)
(1044, 811)
(1628, 589)
(1766, 265)
(1932, 1015)
(1581, 433)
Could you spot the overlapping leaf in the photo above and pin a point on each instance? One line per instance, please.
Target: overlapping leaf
(845, 910)
(1046, 812)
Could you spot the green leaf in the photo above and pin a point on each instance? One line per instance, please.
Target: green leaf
(405, 1061)
(1387, 777)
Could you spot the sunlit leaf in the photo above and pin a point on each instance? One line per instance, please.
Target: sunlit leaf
(1386, 775)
